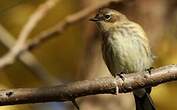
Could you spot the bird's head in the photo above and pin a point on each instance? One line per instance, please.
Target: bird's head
(108, 18)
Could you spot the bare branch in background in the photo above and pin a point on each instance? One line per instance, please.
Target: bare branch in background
(68, 20)
(44, 36)
(41, 11)
(27, 59)
(88, 87)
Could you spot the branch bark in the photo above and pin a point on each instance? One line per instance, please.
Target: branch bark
(88, 87)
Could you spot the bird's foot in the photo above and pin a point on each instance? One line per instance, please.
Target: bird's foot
(118, 75)
(149, 70)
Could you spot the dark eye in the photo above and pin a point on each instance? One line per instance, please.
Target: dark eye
(107, 17)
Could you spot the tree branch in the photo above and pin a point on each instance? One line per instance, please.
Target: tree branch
(88, 87)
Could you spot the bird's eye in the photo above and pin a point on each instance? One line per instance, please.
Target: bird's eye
(108, 17)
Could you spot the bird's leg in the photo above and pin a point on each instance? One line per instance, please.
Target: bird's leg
(149, 70)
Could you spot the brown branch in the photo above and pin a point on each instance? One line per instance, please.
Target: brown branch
(25, 32)
(88, 87)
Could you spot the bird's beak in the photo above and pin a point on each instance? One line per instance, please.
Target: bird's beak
(94, 19)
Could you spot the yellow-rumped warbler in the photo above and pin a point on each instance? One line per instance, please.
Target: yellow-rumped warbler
(125, 48)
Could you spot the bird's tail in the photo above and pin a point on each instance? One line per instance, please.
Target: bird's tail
(143, 100)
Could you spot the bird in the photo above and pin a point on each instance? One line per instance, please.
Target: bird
(125, 49)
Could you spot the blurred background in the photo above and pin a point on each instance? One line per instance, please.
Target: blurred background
(76, 54)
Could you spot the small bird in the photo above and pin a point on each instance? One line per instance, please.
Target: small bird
(125, 49)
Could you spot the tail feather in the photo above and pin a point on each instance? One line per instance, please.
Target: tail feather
(144, 102)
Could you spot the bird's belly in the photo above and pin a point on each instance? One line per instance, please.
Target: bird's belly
(126, 56)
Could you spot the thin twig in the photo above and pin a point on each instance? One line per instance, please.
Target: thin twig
(41, 11)
(88, 87)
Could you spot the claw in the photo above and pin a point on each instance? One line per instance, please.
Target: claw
(116, 87)
(75, 104)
